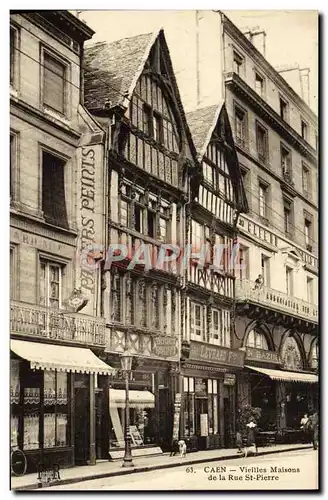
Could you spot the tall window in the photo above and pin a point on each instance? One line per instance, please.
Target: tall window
(286, 160)
(240, 126)
(216, 329)
(212, 391)
(13, 55)
(259, 85)
(51, 275)
(257, 339)
(54, 88)
(242, 263)
(12, 166)
(189, 406)
(305, 180)
(53, 190)
(262, 143)
(309, 289)
(238, 62)
(158, 127)
(197, 326)
(283, 109)
(304, 130)
(55, 409)
(287, 217)
(197, 236)
(308, 233)
(116, 297)
(265, 269)
(263, 199)
(289, 281)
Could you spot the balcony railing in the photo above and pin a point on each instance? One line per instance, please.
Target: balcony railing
(44, 322)
(249, 291)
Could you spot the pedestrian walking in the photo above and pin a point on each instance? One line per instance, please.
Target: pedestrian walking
(313, 427)
(251, 442)
(239, 442)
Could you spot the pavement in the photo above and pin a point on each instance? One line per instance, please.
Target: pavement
(296, 470)
(104, 469)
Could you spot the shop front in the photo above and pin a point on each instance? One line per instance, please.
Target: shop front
(208, 396)
(150, 410)
(295, 390)
(51, 398)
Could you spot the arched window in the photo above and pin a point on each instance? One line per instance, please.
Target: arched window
(291, 355)
(257, 339)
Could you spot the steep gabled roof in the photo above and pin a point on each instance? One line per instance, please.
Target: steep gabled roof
(202, 123)
(112, 69)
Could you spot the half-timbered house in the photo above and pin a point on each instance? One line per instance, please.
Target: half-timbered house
(130, 85)
(208, 291)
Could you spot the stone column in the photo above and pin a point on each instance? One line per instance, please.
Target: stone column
(281, 405)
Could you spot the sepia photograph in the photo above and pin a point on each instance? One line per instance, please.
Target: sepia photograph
(164, 250)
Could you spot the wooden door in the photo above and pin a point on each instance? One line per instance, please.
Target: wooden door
(82, 425)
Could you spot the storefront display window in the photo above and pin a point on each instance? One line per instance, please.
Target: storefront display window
(189, 406)
(212, 406)
(56, 409)
(142, 418)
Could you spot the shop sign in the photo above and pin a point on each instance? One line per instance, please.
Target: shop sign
(213, 354)
(262, 355)
(165, 347)
(176, 416)
(229, 379)
(144, 378)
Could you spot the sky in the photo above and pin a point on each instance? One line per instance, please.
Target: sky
(292, 36)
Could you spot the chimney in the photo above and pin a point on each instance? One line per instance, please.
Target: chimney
(257, 37)
(305, 84)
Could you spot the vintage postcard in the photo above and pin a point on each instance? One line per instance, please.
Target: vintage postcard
(164, 250)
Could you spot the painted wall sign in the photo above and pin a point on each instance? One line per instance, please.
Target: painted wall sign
(165, 347)
(36, 241)
(229, 379)
(213, 354)
(262, 355)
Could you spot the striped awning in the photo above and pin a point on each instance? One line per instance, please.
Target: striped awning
(58, 357)
(137, 399)
(309, 378)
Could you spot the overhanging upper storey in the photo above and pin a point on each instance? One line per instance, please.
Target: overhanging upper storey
(132, 81)
(222, 180)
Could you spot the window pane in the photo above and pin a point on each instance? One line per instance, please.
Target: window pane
(31, 431)
(53, 84)
(215, 415)
(61, 388)
(49, 430)
(61, 437)
(191, 384)
(49, 388)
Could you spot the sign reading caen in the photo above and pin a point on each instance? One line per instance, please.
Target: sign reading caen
(214, 354)
(262, 355)
(165, 347)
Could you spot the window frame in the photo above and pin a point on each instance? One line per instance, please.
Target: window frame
(239, 111)
(14, 59)
(306, 189)
(238, 61)
(259, 77)
(263, 158)
(264, 187)
(62, 265)
(14, 165)
(304, 129)
(286, 153)
(289, 273)
(288, 207)
(49, 52)
(201, 337)
(283, 101)
(44, 149)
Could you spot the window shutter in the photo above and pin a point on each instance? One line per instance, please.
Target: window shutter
(53, 84)
(53, 191)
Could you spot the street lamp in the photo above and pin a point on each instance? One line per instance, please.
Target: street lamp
(126, 364)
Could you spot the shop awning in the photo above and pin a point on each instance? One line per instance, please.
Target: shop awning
(309, 378)
(137, 399)
(57, 357)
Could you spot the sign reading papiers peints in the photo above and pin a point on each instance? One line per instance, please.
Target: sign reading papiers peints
(90, 216)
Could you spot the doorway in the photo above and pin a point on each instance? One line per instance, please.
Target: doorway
(82, 419)
(201, 410)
